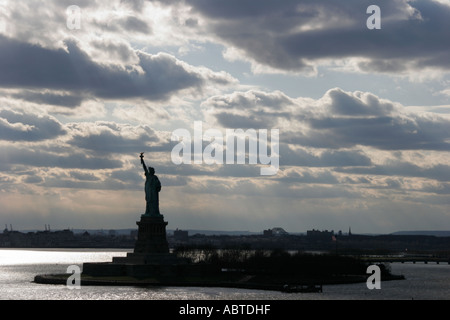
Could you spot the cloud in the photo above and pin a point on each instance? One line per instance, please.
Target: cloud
(439, 172)
(136, 5)
(50, 98)
(294, 177)
(36, 158)
(134, 24)
(104, 137)
(337, 120)
(113, 51)
(328, 158)
(156, 77)
(358, 104)
(293, 36)
(350, 121)
(83, 176)
(251, 109)
(286, 37)
(20, 126)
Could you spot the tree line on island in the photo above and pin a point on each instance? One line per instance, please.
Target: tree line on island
(279, 265)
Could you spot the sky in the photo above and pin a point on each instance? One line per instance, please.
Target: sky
(363, 113)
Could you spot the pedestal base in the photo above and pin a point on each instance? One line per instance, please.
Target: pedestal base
(151, 235)
(151, 257)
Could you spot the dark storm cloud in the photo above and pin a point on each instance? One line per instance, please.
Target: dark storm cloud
(107, 184)
(443, 188)
(107, 142)
(129, 24)
(134, 24)
(438, 172)
(347, 105)
(321, 191)
(328, 158)
(33, 179)
(83, 176)
(120, 50)
(250, 100)
(57, 99)
(136, 5)
(338, 120)
(17, 126)
(387, 132)
(37, 158)
(30, 66)
(225, 170)
(287, 35)
(231, 120)
(107, 137)
(251, 109)
(308, 177)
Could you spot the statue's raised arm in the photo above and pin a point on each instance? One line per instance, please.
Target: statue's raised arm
(143, 163)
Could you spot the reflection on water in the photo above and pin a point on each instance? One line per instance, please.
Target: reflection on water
(18, 268)
(58, 256)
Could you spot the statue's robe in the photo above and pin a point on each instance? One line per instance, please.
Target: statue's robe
(152, 189)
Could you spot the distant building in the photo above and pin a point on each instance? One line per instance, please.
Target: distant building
(279, 232)
(267, 233)
(317, 234)
(180, 235)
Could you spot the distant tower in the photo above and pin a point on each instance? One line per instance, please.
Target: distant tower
(349, 231)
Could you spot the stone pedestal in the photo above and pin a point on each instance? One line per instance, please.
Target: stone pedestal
(151, 245)
(150, 257)
(151, 235)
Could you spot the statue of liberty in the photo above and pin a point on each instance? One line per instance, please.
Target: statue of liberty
(152, 189)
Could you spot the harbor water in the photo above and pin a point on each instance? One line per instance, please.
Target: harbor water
(18, 267)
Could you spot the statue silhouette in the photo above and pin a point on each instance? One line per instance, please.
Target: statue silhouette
(152, 189)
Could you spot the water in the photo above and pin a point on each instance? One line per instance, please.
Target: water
(19, 266)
